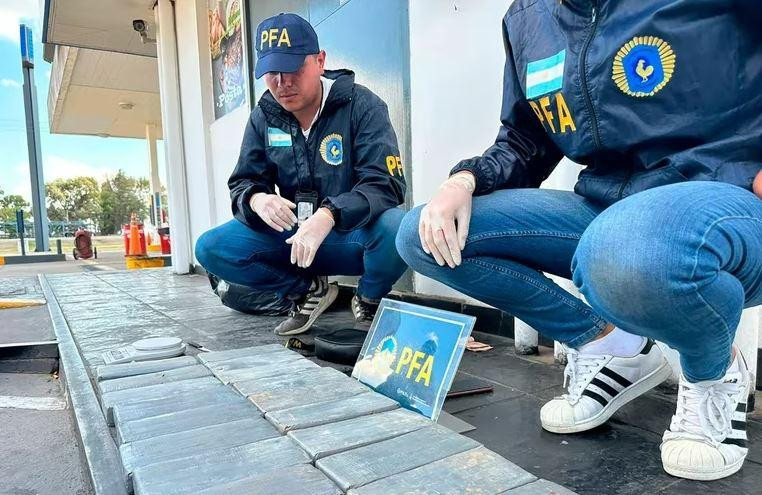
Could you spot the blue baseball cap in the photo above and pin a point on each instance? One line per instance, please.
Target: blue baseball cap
(282, 42)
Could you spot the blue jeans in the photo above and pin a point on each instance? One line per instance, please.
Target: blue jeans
(676, 263)
(261, 258)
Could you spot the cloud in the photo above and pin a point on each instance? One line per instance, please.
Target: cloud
(58, 167)
(10, 83)
(13, 13)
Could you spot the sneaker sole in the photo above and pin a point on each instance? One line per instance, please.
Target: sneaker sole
(705, 475)
(636, 390)
(711, 475)
(325, 302)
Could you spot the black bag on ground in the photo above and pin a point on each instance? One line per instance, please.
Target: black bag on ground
(249, 300)
(341, 346)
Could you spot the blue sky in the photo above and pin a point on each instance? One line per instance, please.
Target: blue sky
(63, 156)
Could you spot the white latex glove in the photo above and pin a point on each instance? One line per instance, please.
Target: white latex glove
(309, 237)
(274, 210)
(440, 236)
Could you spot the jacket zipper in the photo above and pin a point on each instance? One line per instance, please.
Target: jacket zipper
(583, 75)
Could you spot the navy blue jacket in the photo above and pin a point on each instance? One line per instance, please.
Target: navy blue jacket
(642, 92)
(350, 159)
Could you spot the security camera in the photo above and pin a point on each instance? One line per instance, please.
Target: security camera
(139, 25)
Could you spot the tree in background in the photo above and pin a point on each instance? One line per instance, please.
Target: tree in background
(9, 204)
(73, 199)
(120, 196)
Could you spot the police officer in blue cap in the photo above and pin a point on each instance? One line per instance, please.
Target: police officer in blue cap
(661, 101)
(317, 185)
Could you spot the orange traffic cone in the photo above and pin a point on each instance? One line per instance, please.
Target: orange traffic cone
(134, 237)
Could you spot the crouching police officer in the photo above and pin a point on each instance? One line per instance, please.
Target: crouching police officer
(663, 232)
(328, 146)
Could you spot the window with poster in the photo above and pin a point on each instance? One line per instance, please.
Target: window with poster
(227, 55)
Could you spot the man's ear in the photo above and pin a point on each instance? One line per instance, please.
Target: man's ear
(320, 58)
(757, 186)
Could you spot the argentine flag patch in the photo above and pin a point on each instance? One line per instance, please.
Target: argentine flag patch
(277, 137)
(546, 75)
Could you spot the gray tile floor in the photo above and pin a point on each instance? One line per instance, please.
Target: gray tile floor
(105, 309)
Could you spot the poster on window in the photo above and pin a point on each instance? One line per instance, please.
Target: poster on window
(226, 46)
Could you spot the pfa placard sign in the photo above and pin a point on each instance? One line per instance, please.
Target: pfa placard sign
(411, 354)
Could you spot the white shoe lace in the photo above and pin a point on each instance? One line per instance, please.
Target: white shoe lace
(580, 369)
(705, 409)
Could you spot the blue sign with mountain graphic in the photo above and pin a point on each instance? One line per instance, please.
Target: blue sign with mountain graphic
(411, 354)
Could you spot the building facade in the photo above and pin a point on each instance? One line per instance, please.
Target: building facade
(438, 64)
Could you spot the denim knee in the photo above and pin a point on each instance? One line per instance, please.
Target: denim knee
(408, 242)
(205, 248)
(388, 223)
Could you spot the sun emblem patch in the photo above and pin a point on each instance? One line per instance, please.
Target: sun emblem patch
(332, 149)
(643, 66)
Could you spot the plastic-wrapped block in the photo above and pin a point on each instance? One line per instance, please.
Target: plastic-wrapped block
(216, 356)
(321, 413)
(190, 475)
(322, 441)
(373, 462)
(188, 443)
(477, 471)
(111, 371)
(306, 387)
(297, 480)
(264, 371)
(217, 395)
(157, 378)
(189, 419)
(165, 390)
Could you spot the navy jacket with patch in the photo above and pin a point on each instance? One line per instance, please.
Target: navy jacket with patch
(651, 93)
(359, 179)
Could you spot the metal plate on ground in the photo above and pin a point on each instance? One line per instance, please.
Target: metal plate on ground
(454, 423)
(257, 373)
(109, 372)
(474, 471)
(215, 356)
(157, 378)
(321, 413)
(322, 441)
(188, 419)
(540, 487)
(296, 480)
(173, 389)
(358, 467)
(218, 395)
(187, 443)
(215, 467)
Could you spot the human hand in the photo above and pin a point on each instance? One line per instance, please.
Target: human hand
(440, 236)
(309, 237)
(274, 210)
(757, 186)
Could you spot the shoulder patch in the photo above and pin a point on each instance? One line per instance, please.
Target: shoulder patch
(643, 66)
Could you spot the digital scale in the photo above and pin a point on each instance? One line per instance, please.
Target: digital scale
(145, 350)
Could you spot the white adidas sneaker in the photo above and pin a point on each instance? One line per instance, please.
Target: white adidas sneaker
(598, 385)
(707, 437)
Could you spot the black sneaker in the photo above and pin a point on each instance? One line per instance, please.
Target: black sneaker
(318, 299)
(364, 312)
